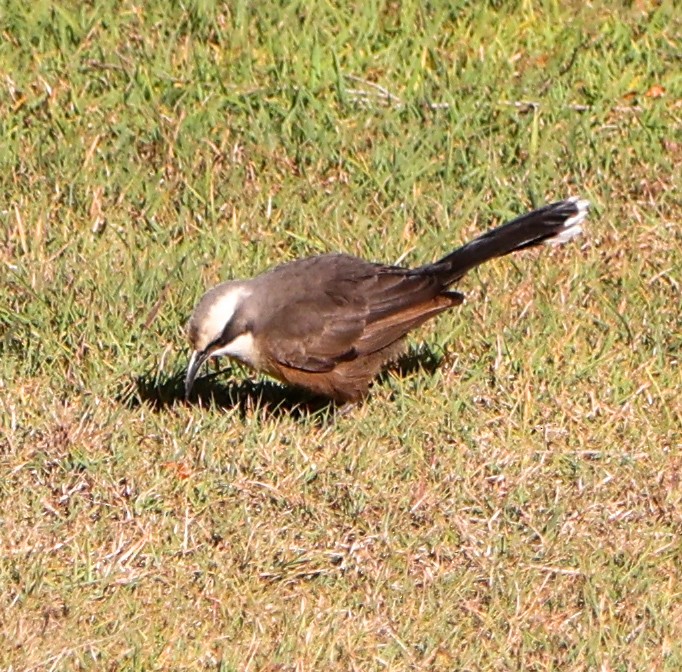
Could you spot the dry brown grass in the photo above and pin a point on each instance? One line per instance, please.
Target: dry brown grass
(513, 502)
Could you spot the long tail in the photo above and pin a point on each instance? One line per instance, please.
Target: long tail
(552, 224)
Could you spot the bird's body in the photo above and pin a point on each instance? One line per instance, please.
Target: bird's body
(329, 323)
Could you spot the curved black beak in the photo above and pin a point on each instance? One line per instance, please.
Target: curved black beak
(195, 362)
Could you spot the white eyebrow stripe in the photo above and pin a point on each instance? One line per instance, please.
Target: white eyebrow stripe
(223, 310)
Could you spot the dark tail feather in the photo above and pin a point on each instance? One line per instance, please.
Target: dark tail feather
(552, 224)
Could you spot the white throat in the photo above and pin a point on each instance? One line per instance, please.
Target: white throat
(242, 348)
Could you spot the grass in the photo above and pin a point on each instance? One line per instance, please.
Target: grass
(517, 506)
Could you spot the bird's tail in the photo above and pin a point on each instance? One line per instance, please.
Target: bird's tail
(552, 224)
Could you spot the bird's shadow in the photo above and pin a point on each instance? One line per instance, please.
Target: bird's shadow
(271, 398)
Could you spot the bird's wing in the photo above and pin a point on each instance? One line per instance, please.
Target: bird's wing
(358, 309)
(318, 331)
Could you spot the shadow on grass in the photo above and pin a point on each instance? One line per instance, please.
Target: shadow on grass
(242, 395)
(418, 359)
(269, 397)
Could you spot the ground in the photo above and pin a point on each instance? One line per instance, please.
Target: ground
(509, 498)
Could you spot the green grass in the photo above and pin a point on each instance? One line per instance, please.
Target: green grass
(517, 507)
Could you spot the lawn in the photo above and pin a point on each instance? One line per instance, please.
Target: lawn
(508, 498)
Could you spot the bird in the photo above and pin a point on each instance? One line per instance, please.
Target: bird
(330, 323)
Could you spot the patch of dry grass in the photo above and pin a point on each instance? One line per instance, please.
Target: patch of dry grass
(511, 503)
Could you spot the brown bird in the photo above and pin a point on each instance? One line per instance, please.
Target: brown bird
(329, 323)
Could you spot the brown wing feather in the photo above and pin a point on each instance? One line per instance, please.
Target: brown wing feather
(351, 309)
(321, 336)
(381, 333)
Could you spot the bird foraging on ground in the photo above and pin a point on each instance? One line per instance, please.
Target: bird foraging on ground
(330, 323)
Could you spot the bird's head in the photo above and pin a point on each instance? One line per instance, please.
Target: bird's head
(219, 326)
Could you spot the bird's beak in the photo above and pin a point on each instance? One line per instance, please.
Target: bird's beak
(195, 362)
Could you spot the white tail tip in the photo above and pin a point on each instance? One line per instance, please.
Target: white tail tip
(573, 225)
